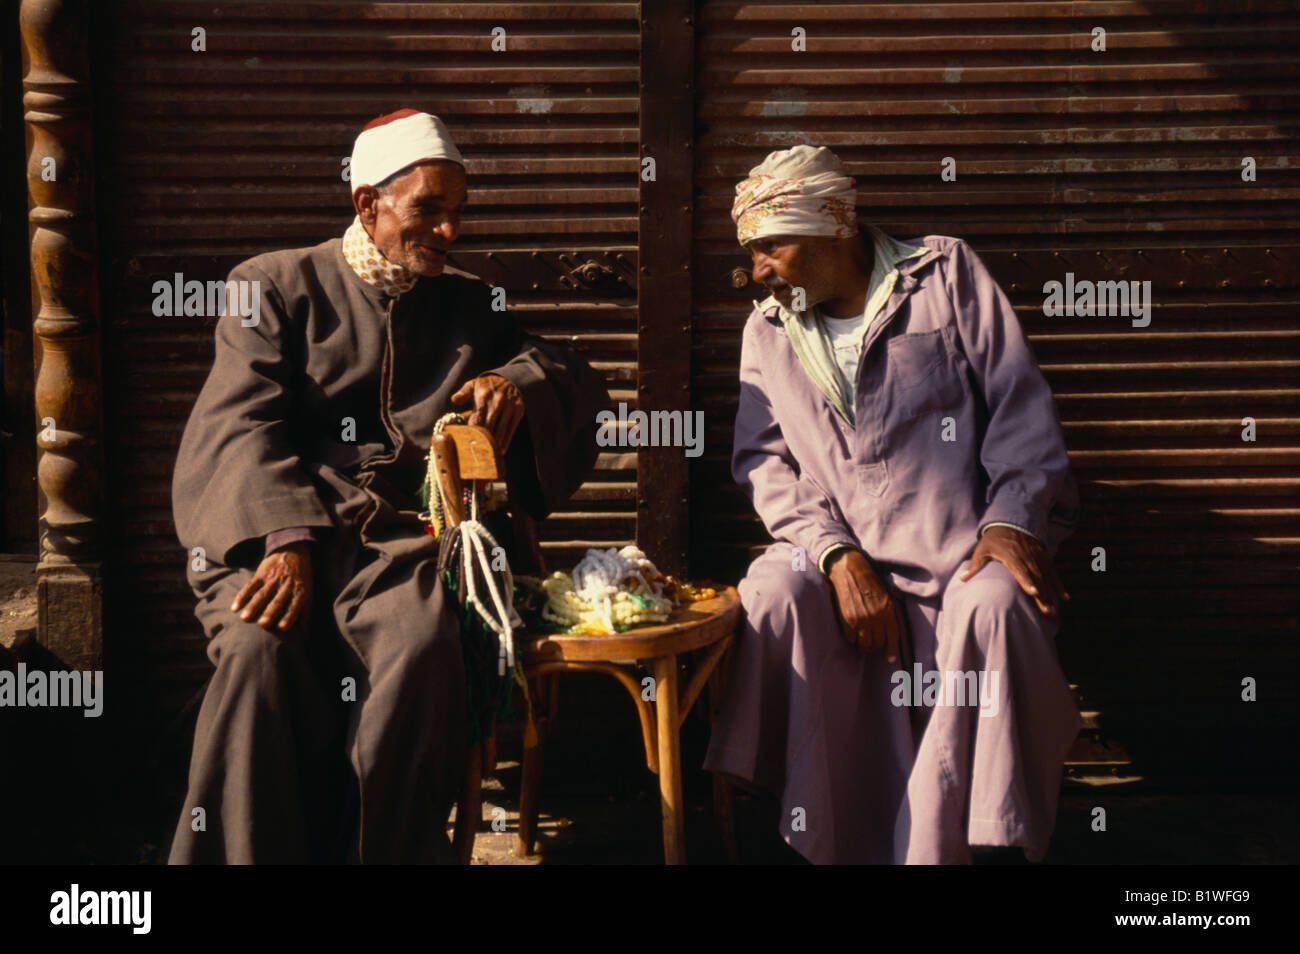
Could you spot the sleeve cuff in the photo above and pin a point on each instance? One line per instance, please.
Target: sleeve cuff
(829, 552)
(1016, 510)
(1013, 526)
(282, 538)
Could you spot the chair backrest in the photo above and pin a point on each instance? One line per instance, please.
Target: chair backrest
(461, 453)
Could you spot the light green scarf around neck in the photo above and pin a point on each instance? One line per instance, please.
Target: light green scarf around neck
(807, 333)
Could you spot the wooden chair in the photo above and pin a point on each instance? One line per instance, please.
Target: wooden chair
(460, 454)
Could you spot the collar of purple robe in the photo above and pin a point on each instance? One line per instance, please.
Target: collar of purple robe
(906, 273)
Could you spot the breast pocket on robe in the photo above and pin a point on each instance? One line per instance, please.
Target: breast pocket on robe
(922, 375)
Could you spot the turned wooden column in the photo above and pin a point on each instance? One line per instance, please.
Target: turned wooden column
(69, 470)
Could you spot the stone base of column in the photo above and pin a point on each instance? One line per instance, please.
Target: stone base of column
(71, 602)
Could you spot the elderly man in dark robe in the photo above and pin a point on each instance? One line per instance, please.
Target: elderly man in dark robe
(335, 725)
(896, 683)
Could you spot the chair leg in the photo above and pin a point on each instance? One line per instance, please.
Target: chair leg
(469, 810)
(530, 772)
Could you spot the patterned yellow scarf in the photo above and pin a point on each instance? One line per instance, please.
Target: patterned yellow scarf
(371, 266)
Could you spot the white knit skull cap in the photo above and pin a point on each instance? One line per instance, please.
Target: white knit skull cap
(393, 142)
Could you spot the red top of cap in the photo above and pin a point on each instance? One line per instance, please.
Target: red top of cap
(391, 117)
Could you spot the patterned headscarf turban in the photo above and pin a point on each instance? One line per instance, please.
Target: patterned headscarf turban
(799, 191)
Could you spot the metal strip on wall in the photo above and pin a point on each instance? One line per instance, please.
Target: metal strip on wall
(664, 288)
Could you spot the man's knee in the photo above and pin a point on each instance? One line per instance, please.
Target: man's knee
(433, 648)
(406, 619)
(416, 640)
(254, 652)
(780, 585)
(987, 604)
(781, 574)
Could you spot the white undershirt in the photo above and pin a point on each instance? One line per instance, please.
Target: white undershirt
(846, 336)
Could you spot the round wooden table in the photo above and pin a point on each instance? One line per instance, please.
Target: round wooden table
(701, 632)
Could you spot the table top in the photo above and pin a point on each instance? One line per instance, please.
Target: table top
(690, 626)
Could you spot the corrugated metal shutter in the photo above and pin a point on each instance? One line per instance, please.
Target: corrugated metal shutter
(208, 158)
(1118, 164)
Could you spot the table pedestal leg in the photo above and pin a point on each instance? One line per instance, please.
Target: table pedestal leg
(670, 760)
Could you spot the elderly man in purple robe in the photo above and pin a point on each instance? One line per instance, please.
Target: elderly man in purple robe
(896, 684)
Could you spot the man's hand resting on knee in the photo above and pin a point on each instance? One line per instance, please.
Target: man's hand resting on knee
(1028, 561)
(863, 605)
(280, 590)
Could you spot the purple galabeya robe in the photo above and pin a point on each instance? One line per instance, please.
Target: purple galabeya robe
(956, 428)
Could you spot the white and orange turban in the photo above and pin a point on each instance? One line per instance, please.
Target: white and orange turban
(391, 143)
(799, 191)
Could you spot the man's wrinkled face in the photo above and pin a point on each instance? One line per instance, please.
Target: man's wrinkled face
(415, 223)
(784, 263)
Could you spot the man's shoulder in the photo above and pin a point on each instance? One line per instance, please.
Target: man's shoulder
(284, 264)
(948, 247)
(940, 243)
(941, 248)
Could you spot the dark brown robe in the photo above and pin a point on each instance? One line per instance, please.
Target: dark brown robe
(263, 450)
